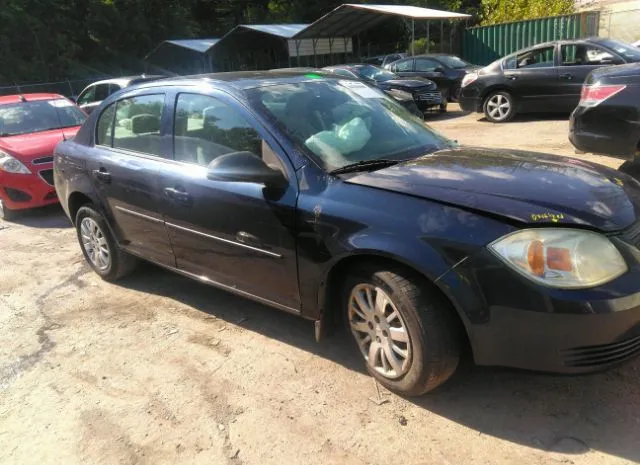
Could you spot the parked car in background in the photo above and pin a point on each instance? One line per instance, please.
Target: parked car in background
(607, 119)
(544, 78)
(419, 93)
(93, 95)
(383, 60)
(447, 71)
(314, 195)
(30, 127)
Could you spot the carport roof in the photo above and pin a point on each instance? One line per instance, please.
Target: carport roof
(285, 31)
(197, 45)
(350, 19)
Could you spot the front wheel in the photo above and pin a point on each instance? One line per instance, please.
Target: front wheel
(499, 107)
(405, 332)
(99, 247)
(5, 213)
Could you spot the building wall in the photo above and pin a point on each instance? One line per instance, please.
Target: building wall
(619, 19)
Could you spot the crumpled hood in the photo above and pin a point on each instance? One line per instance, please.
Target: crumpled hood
(26, 147)
(526, 187)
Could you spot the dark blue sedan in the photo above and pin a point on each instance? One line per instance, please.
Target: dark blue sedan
(323, 197)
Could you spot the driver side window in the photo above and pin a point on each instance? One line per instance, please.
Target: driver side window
(425, 64)
(206, 128)
(87, 96)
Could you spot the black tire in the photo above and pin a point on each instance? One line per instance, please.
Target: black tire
(120, 263)
(7, 214)
(495, 98)
(433, 331)
(445, 101)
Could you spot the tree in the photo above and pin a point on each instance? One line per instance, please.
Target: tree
(500, 11)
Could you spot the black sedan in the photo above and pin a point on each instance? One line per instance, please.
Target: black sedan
(324, 198)
(607, 119)
(545, 78)
(447, 71)
(419, 91)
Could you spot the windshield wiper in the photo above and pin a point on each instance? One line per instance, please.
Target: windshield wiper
(365, 166)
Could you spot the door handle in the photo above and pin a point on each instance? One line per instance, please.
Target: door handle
(567, 76)
(102, 175)
(512, 78)
(177, 195)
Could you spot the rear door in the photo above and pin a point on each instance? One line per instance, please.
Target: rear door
(533, 79)
(124, 166)
(239, 235)
(576, 61)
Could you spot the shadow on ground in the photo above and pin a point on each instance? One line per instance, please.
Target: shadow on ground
(437, 116)
(51, 216)
(530, 117)
(569, 415)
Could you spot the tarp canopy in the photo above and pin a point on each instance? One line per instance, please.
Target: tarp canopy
(350, 19)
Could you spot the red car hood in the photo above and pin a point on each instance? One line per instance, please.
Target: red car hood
(26, 147)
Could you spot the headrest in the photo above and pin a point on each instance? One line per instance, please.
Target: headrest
(145, 124)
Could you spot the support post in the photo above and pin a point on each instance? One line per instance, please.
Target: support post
(331, 39)
(413, 36)
(315, 57)
(359, 48)
(428, 36)
(298, 52)
(441, 36)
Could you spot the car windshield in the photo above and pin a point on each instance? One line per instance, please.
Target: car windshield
(453, 61)
(374, 73)
(341, 122)
(629, 52)
(37, 116)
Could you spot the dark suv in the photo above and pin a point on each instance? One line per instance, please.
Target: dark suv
(325, 198)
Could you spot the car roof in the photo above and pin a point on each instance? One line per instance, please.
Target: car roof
(243, 80)
(18, 98)
(124, 81)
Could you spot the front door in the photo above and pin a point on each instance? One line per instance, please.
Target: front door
(532, 77)
(577, 60)
(124, 166)
(239, 235)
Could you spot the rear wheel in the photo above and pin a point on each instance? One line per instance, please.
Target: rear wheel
(99, 247)
(499, 107)
(6, 213)
(405, 332)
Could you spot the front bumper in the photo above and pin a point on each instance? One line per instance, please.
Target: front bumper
(470, 104)
(427, 99)
(514, 322)
(23, 191)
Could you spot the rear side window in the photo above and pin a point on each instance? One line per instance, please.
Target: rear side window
(137, 124)
(403, 66)
(583, 54)
(425, 64)
(102, 92)
(538, 58)
(104, 129)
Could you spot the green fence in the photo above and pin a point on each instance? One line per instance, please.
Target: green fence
(484, 44)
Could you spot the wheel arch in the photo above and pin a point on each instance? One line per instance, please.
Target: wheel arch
(496, 88)
(76, 201)
(329, 293)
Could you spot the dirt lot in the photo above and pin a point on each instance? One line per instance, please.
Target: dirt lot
(162, 370)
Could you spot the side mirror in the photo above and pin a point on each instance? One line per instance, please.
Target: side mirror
(244, 167)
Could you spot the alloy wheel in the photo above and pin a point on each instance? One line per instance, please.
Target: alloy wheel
(95, 244)
(498, 107)
(379, 330)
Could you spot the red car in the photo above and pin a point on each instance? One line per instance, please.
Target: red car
(30, 127)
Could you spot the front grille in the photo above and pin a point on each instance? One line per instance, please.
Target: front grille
(42, 160)
(47, 176)
(428, 95)
(16, 195)
(593, 356)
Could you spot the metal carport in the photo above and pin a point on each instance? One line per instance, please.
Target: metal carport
(352, 19)
(189, 56)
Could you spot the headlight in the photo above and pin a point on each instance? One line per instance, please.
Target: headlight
(12, 165)
(564, 258)
(469, 78)
(400, 94)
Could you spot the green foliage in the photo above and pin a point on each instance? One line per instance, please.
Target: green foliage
(500, 11)
(49, 40)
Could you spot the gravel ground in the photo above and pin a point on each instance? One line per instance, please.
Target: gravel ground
(160, 370)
